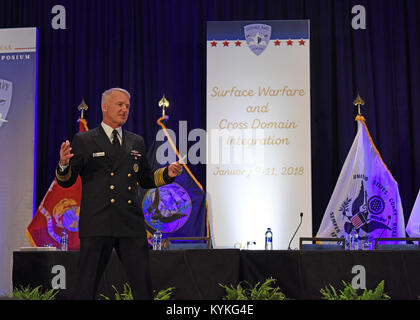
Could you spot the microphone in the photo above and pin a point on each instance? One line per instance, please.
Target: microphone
(301, 219)
(380, 236)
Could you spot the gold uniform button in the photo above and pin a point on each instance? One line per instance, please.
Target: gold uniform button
(129, 175)
(129, 201)
(112, 174)
(129, 187)
(112, 187)
(112, 200)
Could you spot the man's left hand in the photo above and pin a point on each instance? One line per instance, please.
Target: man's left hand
(175, 169)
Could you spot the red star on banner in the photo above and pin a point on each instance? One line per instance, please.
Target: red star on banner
(301, 42)
(213, 43)
(289, 42)
(277, 42)
(226, 43)
(238, 43)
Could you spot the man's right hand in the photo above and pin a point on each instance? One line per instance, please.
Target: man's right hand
(65, 154)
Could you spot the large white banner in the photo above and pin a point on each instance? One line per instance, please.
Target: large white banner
(258, 126)
(17, 131)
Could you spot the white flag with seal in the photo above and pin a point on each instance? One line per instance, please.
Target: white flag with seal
(366, 196)
(413, 225)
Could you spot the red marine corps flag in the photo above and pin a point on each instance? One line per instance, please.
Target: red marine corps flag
(58, 211)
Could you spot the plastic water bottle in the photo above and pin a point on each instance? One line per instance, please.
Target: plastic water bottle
(368, 243)
(268, 239)
(349, 241)
(354, 239)
(64, 240)
(157, 240)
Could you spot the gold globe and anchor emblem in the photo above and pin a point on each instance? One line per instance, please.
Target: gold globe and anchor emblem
(66, 214)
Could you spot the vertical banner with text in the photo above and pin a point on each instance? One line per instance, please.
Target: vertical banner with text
(258, 126)
(18, 60)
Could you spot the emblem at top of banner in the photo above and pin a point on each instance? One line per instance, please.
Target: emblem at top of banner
(257, 37)
(5, 99)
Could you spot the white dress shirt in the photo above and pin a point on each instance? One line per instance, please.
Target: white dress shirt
(108, 131)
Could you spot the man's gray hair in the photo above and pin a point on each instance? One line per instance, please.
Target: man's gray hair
(108, 92)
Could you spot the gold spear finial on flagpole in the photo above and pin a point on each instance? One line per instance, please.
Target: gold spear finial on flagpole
(163, 103)
(82, 107)
(358, 102)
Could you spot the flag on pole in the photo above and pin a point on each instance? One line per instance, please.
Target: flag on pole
(178, 209)
(58, 211)
(366, 196)
(413, 225)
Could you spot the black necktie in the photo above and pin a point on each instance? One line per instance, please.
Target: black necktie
(115, 141)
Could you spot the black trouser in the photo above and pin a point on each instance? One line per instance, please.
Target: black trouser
(95, 253)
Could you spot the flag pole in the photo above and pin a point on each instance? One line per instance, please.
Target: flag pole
(160, 123)
(82, 108)
(164, 103)
(357, 103)
(360, 102)
(53, 197)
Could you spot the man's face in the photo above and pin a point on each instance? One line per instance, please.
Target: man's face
(116, 109)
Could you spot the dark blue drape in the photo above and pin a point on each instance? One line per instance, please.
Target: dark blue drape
(152, 47)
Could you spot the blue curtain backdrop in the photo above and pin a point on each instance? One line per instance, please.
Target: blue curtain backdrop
(151, 47)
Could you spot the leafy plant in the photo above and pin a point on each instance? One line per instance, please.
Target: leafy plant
(237, 293)
(164, 294)
(263, 291)
(28, 293)
(349, 293)
(128, 295)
